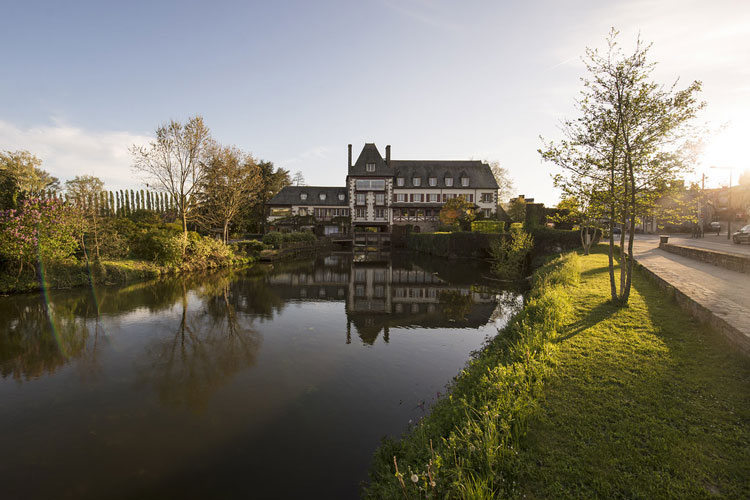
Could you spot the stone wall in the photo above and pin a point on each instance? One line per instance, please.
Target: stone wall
(731, 261)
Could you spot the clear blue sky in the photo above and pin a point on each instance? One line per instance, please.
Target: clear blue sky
(295, 82)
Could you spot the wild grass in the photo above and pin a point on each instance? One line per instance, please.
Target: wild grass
(467, 446)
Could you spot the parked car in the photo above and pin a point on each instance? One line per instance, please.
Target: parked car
(714, 226)
(743, 235)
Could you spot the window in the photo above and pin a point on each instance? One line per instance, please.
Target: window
(281, 212)
(303, 196)
(487, 212)
(433, 181)
(486, 197)
(360, 213)
(400, 197)
(418, 197)
(449, 181)
(342, 196)
(380, 198)
(360, 198)
(370, 185)
(464, 181)
(322, 196)
(380, 213)
(416, 181)
(370, 167)
(434, 197)
(400, 181)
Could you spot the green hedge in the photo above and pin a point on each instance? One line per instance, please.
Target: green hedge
(454, 245)
(488, 226)
(277, 240)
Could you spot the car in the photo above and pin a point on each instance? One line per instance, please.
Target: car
(743, 235)
(714, 226)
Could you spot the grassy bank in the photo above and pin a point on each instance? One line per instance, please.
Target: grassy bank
(577, 398)
(466, 446)
(644, 402)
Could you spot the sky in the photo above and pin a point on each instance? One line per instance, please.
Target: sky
(294, 82)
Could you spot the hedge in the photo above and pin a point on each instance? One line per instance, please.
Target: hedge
(488, 226)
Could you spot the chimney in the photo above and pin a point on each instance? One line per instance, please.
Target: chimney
(350, 156)
(388, 154)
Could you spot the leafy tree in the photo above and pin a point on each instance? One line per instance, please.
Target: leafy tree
(232, 178)
(457, 212)
(510, 253)
(176, 163)
(272, 180)
(517, 210)
(21, 176)
(630, 140)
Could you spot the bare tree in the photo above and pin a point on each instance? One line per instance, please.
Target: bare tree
(232, 179)
(176, 163)
(504, 182)
(85, 192)
(298, 179)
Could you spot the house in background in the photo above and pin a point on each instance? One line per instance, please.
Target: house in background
(382, 193)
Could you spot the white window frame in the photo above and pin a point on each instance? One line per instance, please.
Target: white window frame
(449, 181)
(303, 196)
(370, 167)
(464, 182)
(400, 181)
(342, 196)
(433, 181)
(322, 196)
(380, 198)
(361, 199)
(400, 197)
(416, 181)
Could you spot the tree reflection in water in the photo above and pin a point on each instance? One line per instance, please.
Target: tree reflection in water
(209, 345)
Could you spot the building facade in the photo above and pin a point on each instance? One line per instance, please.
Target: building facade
(382, 192)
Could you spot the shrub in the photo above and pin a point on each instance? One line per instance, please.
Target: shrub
(509, 255)
(273, 239)
(276, 240)
(207, 252)
(159, 245)
(488, 226)
(250, 248)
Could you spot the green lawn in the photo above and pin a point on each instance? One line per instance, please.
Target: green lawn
(641, 402)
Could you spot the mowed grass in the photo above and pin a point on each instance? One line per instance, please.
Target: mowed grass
(642, 402)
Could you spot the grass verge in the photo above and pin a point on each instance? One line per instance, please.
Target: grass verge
(644, 402)
(637, 402)
(467, 446)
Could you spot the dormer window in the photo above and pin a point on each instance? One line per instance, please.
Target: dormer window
(370, 167)
(303, 196)
(322, 196)
(433, 181)
(416, 181)
(465, 181)
(342, 196)
(449, 181)
(400, 181)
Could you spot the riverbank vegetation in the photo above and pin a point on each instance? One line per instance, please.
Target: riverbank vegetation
(55, 236)
(581, 398)
(466, 446)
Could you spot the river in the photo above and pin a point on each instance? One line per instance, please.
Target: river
(273, 382)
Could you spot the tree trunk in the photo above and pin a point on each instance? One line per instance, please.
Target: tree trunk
(628, 283)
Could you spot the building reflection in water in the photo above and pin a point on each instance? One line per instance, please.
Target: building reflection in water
(399, 291)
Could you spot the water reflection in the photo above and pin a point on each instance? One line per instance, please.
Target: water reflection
(224, 385)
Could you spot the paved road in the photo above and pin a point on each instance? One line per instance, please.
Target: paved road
(710, 241)
(724, 292)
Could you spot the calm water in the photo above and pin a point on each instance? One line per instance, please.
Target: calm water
(277, 382)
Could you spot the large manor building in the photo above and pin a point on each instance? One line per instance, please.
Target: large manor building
(381, 193)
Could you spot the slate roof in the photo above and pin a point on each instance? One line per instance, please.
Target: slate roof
(290, 195)
(479, 174)
(370, 154)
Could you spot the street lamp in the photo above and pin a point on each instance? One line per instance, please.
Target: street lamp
(729, 212)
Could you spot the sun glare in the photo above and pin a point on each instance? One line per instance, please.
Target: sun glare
(725, 149)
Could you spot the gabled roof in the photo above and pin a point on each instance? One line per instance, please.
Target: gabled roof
(290, 195)
(479, 173)
(370, 154)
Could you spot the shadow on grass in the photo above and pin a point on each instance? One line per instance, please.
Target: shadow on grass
(596, 270)
(596, 315)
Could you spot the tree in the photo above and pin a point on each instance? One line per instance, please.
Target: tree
(20, 176)
(232, 179)
(272, 180)
(83, 191)
(176, 163)
(298, 179)
(630, 140)
(517, 210)
(504, 182)
(457, 212)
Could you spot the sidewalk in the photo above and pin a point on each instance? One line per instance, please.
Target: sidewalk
(710, 241)
(715, 295)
